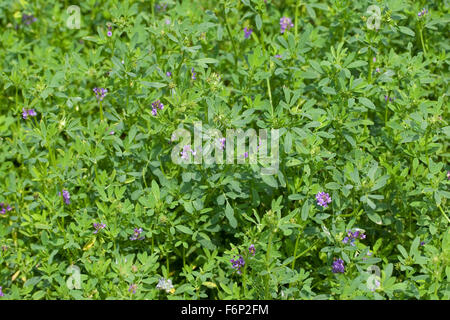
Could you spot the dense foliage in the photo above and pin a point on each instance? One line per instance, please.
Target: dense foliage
(94, 207)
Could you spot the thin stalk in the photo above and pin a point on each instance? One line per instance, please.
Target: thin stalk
(101, 110)
(229, 34)
(296, 17)
(266, 280)
(422, 42)
(443, 213)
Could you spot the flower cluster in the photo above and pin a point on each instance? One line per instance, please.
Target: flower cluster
(386, 98)
(155, 106)
(132, 288)
(247, 32)
(109, 33)
(28, 19)
(28, 112)
(161, 7)
(165, 284)
(238, 263)
(194, 74)
(323, 199)
(100, 93)
(338, 266)
(222, 143)
(4, 207)
(422, 13)
(252, 249)
(185, 152)
(351, 236)
(136, 235)
(98, 227)
(66, 196)
(285, 23)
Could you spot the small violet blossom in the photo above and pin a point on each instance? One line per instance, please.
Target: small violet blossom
(351, 236)
(28, 19)
(98, 227)
(132, 288)
(4, 207)
(66, 196)
(285, 23)
(28, 112)
(338, 266)
(238, 263)
(323, 199)
(100, 93)
(137, 233)
(252, 249)
(247, 32)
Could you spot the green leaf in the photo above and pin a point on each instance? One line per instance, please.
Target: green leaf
(153, 84)
(184, 229)
(407, 31)
(270, 180)
(258, 21)
(366, 102)
(229, 213)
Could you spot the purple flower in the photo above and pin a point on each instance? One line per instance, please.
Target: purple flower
(345, 240)
(377, 70)
(137, 233)
(323, 199)
(285, 23)
(169, 74)
(109, 33)
(448, 175)
(98, 227)
(252, 249)
(194, 74)
(245, 155)
(4, 207)
(374, 59)
(132, 288)
(278, 56)
(1, 292)
(222, 143)
(26, 113)
(247, 32)
(157, 104)
(338, 266)
(237, 264)
(100, 93)
(66, 196)
(28, 19)
(422, 243)
(185, 152)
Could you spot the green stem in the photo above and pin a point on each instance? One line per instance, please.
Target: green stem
(443, 213)
(229, 34)
(267, 278)
(101, 111)
(296, 18)
(422, 42)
